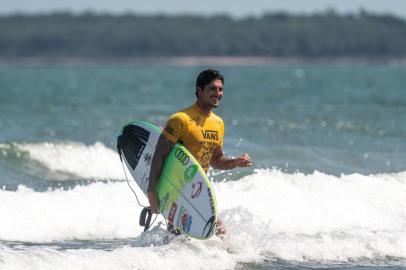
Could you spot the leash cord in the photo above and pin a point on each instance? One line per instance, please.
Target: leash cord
(135, 194)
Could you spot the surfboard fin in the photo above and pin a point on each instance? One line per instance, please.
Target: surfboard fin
(145, 218)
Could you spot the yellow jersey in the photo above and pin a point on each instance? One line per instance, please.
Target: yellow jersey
(198, 132)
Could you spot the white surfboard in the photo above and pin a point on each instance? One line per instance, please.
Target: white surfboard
(186, 196)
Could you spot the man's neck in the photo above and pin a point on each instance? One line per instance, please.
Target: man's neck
(204, 109)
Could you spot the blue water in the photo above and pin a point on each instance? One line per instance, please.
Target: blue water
(313, 126)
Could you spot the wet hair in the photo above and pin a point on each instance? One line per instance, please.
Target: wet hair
(207, 76)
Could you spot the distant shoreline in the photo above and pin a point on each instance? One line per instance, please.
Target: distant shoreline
(198, 61)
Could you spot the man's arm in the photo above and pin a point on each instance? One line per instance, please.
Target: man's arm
(220, 161)
(162, 150)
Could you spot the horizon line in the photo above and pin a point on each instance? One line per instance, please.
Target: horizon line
(67, 11)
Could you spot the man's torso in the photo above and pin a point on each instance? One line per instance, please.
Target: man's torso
(198, 132)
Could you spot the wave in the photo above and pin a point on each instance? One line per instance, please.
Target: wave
(268, 215)
(319, 216)
(175, 255)
(96, 161)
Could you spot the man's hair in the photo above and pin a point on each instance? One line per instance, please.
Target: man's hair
(207, 76)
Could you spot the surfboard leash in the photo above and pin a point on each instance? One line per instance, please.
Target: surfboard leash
(146, 215)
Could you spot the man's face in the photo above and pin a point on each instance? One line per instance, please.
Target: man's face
(211, 94)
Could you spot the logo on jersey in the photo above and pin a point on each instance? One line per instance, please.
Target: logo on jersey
(170, 130)
(210, 135)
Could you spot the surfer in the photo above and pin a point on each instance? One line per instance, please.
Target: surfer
(200, 131)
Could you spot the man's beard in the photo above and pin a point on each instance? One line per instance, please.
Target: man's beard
(215, 105)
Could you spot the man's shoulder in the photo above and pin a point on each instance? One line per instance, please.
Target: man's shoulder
(184, 115)
(217, 118)
(180, 115)
(176, 125)
(188, 110)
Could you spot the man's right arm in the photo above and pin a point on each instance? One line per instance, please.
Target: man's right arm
(162, 150)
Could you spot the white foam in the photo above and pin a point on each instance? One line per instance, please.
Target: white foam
(318, 216)
(85, 161)
(176, 255)
(96, 211)
(268, 215)
(93, 212)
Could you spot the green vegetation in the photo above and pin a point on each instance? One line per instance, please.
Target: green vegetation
(90, 35)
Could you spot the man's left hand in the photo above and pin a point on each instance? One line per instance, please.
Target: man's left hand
(244, 161)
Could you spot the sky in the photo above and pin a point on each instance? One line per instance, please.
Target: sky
(205, 7)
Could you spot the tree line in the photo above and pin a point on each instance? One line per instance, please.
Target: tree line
(326, 34)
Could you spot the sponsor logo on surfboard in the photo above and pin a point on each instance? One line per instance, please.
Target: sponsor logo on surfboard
(186, 221)
(211, 200)
(190, 173)
(164, 200)
(208, 228)
(172, 212)
(147, 158)
(188, 224)
(181, 156)
(196, 189)
(180, 214)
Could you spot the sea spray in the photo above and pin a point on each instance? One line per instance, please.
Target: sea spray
(268, 215)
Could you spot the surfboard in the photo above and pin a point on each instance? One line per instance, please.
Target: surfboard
(187, 199)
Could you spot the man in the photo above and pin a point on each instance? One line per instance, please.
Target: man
(199, 130)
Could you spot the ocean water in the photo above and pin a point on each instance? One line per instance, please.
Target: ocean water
(327, 189)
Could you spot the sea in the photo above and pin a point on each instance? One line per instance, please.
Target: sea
(327, 189)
